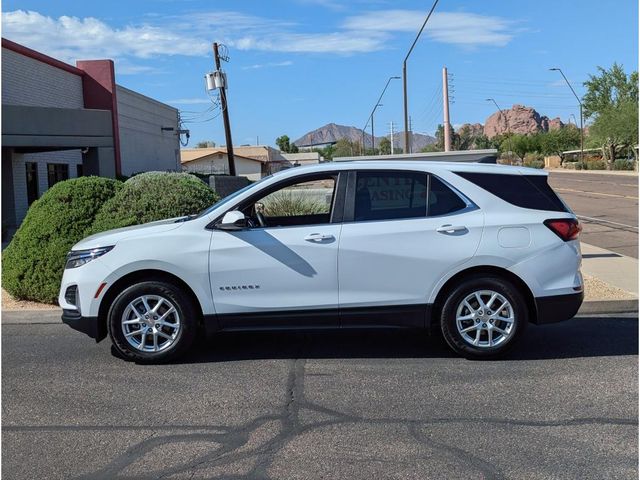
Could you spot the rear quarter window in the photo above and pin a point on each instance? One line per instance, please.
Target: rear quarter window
(526, 191)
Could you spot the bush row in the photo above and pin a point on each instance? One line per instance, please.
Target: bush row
(32, 264)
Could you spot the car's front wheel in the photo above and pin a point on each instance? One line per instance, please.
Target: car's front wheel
(152, 322)
(483, 317)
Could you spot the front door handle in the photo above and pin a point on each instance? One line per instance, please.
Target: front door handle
(318, 237)
(451, 228)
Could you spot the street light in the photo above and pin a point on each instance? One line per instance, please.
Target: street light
(555, 69)
(404, 80)
(506, 120)
(575, 121)
(370, 119)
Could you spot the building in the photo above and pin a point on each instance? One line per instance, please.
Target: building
(303, 158)
(61, 121)
(253, 162)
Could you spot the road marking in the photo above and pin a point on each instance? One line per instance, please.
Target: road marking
(599, 182)
(599, 220)
(596, 193)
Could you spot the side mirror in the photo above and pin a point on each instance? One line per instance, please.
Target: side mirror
(233, 220)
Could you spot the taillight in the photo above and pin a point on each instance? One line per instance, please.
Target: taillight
(566, 228)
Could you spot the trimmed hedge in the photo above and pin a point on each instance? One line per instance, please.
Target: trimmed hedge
(152, 196)
(33, 263)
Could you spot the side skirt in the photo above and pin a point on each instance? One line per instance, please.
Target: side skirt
(392, 316)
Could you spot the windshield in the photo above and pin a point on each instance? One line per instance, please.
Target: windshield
(228, 198)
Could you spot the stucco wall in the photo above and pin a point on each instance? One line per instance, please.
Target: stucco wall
(143, 145)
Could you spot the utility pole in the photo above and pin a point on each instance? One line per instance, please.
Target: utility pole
(404, 79)
(581, 117)
(391, 126)
(225, 114)
(445, 101)
(410, 135)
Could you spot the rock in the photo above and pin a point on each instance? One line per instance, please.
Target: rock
(470, 129)
(555, 124)
(518, 119)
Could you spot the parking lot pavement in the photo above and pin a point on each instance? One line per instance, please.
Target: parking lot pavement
(324, 405)
(607, 205)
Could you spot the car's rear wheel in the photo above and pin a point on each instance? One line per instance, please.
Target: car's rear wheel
(483, 317)
(152, 322)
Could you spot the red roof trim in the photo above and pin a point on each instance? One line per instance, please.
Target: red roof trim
(41, 57)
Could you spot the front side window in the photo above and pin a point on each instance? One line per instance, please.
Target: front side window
(56, 172)
(306, 202)
(390, 195)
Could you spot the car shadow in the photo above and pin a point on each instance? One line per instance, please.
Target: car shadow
(579, 337)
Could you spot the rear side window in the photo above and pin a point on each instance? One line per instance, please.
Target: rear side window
(390, 195)
(526, 191)
(442, 200)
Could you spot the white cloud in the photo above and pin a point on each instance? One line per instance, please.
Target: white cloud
(335, 42)
(459, 28)
(286, 63)
(71, 38)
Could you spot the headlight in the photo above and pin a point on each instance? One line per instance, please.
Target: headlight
(77, 258)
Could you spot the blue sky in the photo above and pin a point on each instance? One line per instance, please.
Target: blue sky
(296, 65)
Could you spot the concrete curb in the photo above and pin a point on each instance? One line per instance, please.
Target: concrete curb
(37, 317)
(622, 173)
(609, 306)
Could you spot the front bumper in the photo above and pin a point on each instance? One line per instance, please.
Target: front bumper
(87, 325)
(557, 308)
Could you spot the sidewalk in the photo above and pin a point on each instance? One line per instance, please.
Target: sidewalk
(612, 270)
(627, 173)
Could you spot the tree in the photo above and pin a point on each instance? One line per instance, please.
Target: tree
(609, 88)
(616, 128)
(283, 143)
(346, 148)
(520, 145)
(206, 144)
(560, 140)
(385, 146)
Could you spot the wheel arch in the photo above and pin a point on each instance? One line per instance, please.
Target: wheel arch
(478, 271)
(135, 277)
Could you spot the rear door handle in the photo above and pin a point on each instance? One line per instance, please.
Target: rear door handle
(318, 237)
(451, 228)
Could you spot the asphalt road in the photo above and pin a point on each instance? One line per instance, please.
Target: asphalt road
(356, 405)
(607, 205)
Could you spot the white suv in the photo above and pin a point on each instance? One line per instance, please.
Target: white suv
(475, 250)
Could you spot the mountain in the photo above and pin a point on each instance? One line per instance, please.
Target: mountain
(521, 119)
(332, 132)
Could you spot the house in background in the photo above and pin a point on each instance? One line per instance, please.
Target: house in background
(253, 162)
(303, 158)
(62, 121)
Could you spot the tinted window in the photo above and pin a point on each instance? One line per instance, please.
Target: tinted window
(526, 191)
(443, 200)
(32, 182)
(56, 172)
(390, 195)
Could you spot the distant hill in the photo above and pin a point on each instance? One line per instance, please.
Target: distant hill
(332, 132)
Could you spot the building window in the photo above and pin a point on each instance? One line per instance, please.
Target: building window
(32, 182)
(57, 172)
(79, 170)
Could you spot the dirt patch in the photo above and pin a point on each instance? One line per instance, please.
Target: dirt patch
(12, 304)
(595, 289)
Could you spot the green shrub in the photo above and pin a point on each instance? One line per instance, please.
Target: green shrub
(288, 203)
(533, 160)
(152, 196)
(595, 165)
(623, 164)
(33, 263)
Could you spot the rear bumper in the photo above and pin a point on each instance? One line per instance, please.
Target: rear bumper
(557, 308)
(87, 325)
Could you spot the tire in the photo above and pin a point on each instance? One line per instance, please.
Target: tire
(476, 331)
(164, 316)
